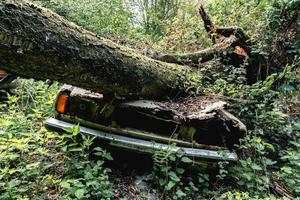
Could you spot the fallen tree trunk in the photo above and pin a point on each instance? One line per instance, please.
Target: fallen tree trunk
(37, 43)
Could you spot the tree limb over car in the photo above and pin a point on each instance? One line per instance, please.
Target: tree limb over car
(37, 43)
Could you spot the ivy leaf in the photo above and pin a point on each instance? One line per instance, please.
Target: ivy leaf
(170, 185)
(256, 167)
(180, 170)
(186, 160)
(180, 193)
(162, 181)
(174, 177)
(287, 88)
(65, 184)
(172, 158)
(80, 193)
(108, 156)
(98, 149)
(248, 176)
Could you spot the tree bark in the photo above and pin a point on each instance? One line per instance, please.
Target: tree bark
(208, 25)
(37, 43)
(234, 36)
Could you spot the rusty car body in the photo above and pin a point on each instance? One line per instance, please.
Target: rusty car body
(198, 127)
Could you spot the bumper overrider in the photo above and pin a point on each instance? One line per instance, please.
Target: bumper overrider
(143, 146)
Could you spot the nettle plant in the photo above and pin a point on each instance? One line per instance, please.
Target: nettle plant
(272, 134)
(174, 179)
(39, 164)
(268, 109)
(252, 173)
(27, 151)
(85, 178)
(290, 171)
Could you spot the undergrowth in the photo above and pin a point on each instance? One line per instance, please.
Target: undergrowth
(39, 164)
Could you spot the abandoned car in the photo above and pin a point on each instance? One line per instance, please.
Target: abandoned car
(198, 127)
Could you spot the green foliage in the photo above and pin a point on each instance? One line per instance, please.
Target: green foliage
(174, 180)
(169, 179)
(184, 32)
(85, 178)
(235, 196)
(27, 150)
(104, 17)
(272, 132)
(156, 13)
(252, 174)
(244, 196)
(290, 171)
(38, 164)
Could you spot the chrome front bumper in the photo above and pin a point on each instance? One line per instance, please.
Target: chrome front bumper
(144, 145)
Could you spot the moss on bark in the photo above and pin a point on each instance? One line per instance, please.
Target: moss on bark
(37, 43)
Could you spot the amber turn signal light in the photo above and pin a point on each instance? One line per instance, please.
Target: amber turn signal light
(61, 104)
(3, 73)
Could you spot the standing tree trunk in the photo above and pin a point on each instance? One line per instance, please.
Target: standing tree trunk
(37, 43)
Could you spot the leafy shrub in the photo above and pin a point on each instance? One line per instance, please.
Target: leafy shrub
(104, 17)
(84, 178)
(38, 164)
(175, 180)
